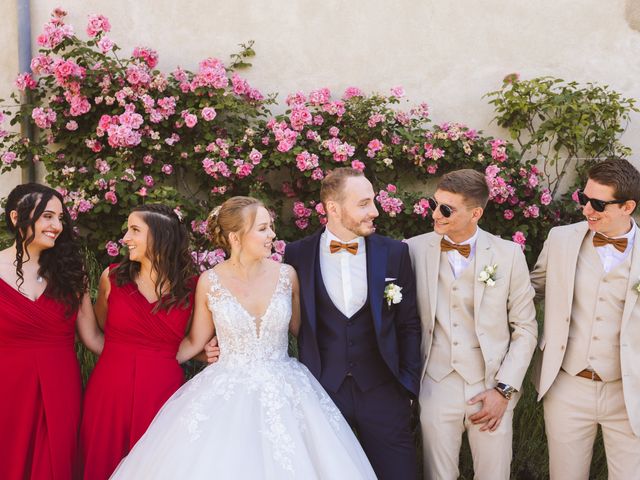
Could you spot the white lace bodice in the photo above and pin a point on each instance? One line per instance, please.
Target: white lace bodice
(244, 338)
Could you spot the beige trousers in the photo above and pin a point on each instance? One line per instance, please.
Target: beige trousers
(573, 409)
(444, 416)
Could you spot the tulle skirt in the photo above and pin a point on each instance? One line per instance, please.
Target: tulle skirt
(248, 420)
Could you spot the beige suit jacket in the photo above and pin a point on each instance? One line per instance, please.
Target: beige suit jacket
(504, 314)
(553, 279)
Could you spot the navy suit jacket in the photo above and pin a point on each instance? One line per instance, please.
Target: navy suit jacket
(398, 327)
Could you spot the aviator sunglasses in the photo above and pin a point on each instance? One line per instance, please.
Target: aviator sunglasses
(445, 210)
(597, 205)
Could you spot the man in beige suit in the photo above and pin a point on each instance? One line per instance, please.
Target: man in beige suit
(478, 331)
(588, 369)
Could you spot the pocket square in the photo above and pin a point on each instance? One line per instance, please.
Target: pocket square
(390, 279)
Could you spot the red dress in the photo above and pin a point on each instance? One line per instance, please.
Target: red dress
(136, 373)
(41, 394)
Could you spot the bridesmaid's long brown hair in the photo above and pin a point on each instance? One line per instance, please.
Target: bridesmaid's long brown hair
(168, 250)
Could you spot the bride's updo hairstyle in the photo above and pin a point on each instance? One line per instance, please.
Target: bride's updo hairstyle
(237, 214)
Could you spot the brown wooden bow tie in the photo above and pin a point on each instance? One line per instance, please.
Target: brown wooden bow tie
(620, 244)
(446, 245)
(336, 246)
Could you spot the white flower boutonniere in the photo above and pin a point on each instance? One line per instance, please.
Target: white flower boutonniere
(488, 275)
(392, 294)
(637, 287)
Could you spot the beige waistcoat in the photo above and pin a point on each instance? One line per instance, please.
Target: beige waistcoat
(596, 316)
(455, 343)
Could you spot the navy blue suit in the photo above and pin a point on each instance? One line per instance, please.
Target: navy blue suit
(368, 363)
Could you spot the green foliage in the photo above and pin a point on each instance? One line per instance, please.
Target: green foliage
(562, 125)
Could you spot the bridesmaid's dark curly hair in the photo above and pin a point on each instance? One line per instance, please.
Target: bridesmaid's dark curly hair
(168, 250)
(62, 266)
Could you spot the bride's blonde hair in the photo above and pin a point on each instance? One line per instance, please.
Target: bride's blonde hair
(237, 214)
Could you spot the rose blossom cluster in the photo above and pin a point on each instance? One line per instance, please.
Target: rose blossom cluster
(306, 161)
(122, 130)
(499, 190)
(206, 259)
(421, 207)
(278, 247)
(55, 30)
(301, 214)
(391, 205)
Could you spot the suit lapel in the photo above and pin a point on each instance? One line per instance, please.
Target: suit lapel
(572, 247)
(634, 277)
(433, 270)
(483, 258)
(376, 269)
(307, 274)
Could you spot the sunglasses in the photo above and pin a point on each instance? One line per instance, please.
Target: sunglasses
(445, 209)
(597, 205)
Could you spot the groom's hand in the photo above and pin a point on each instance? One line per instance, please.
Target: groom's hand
(212, 350)
(493, 407)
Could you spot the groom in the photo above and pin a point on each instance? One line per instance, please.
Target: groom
(360, 342)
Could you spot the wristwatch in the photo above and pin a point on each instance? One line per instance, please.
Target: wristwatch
(505, 390)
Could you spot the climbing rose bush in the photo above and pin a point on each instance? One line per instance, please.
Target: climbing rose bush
(115, 132)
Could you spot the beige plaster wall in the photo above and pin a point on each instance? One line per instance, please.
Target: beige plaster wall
(446, 53)
(8, 71)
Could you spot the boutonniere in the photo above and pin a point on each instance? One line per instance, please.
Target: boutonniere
(637, 287)
(488, 275)
(392, 294)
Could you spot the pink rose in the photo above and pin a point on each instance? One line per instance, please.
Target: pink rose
(317, 174)
(142, 192)
(71, 125)
(25, 81)
(357, 165)
(97, 24)
(508, 214)
(574, 196)
(8, 158)
(105, 44)
(255, 156)
(279, 246)
(148, 180)
(302, 223)
(190, 120)
(111, 197)
(546, 198)
(167, 169)
(112, 249)
(397, 91)
(209, 113)
(520, 239)
(351, 92)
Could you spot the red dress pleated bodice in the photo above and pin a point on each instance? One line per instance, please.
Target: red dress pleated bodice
(136, 373)
(40, 400)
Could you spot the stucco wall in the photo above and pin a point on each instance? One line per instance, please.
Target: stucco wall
(8, 71)
(446, 53)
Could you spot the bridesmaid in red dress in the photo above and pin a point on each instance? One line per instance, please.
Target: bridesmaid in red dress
(42, 286)
(144, 305)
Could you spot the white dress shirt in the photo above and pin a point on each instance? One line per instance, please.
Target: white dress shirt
(344, 274)
(458, 261)
(610, 256)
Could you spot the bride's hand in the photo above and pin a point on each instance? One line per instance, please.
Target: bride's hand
(212, 350)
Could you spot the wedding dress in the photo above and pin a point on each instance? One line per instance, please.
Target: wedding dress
(255, 414)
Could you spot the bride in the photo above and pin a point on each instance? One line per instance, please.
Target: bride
(257, 413)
